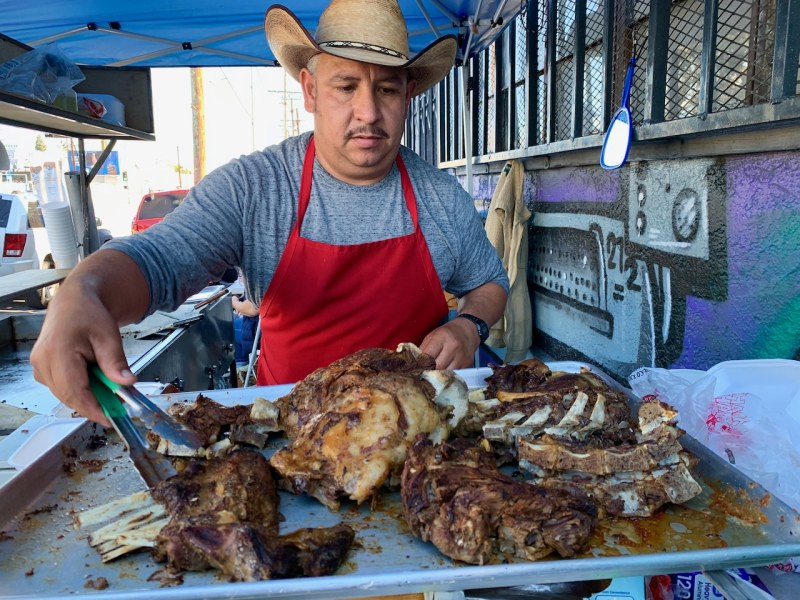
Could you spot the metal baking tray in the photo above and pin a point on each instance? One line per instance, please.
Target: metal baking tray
(43, 556)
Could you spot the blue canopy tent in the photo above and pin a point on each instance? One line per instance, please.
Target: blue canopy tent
(205, 33)
(200, 33)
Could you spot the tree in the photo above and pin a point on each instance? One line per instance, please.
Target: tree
(39, 144)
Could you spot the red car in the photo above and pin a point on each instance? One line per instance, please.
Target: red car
(154, 207)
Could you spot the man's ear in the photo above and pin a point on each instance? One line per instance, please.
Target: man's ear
(309, 86)
(411, 86)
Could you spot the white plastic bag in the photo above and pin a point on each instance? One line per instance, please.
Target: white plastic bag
(746, 411)
(44, 73)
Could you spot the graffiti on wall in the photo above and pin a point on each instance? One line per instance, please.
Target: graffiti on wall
(681, 263)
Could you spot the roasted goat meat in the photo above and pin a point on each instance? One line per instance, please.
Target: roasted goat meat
(631, 479)
(353, 422)
(523, 376)
(573, 429)
(224, 514)
(221, 427)
(455, 497)
(236, 488)
(311, 396)
(244, 553)
(529, 400)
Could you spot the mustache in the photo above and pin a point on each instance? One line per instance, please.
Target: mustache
(371, 130)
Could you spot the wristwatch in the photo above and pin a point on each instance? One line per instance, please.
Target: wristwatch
(483, 328)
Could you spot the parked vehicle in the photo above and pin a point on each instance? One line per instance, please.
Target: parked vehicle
(18, 244)
(25, 244)
(16, 235)
(154, 207)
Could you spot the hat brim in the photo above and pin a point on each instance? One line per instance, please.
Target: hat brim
(293, 46)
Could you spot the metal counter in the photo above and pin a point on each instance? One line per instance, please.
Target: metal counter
(40, 539)
(196, 355)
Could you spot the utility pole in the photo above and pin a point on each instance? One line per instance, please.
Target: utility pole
(198, 124)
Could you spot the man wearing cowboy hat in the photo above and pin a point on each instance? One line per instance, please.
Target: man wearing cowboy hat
(347, 238)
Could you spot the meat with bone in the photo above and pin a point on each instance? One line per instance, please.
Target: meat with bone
(224, 514)
(311, 395)
(523, 376)
(632, 479)
(220, 513)
(221, 427)
(353, 424)
(528, 400)
(244, 553)
(455, 497)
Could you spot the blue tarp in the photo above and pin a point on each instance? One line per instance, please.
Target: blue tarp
(166, 33)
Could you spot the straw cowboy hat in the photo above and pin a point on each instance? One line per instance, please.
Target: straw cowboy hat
(372, 31)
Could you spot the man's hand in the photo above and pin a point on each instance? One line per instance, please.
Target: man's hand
(82, 326)
(453, 344)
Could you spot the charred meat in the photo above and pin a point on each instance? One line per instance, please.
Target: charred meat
(310, 396)
(570, 405)
(352, 433)
(222, 428)
(224, 514)
(455, 497)
(632, 479)
(219, 513)
(573, 429)
(236, 488)
(244, 553)
(527, 375)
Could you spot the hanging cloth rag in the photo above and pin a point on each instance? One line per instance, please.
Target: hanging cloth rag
(507, 229)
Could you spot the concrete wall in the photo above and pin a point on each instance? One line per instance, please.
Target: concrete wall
(670, 263)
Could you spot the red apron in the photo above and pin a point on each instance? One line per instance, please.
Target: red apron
(326, 301)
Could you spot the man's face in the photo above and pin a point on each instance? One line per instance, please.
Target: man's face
(359, 116)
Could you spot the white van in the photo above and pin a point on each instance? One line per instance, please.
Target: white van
(16, 236)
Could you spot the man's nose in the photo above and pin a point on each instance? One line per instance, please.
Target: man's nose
(366, 107)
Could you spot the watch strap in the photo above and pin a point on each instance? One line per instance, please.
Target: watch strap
(480, 324)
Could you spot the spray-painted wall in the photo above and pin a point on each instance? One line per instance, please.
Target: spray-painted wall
(673, 263)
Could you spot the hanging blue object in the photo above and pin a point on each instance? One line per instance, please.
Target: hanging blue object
(617, 141)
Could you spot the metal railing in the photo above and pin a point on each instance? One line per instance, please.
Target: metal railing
(555, 75)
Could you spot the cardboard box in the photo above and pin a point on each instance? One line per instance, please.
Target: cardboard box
(622, 588)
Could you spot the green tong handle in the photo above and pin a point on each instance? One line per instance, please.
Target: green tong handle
(104, 390)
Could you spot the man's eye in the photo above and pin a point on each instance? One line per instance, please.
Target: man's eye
(388, 90)
(346, 88)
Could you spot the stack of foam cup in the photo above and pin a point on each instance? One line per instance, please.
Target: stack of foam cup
(61, 234)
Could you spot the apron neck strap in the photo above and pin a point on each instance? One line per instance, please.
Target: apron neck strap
(307, 175)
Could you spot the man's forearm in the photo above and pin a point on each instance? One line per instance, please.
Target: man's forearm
(117, 281)
(487, 302)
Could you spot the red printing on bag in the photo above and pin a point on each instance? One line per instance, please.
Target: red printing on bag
(726, 414)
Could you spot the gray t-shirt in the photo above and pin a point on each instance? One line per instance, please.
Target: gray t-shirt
(241, 214)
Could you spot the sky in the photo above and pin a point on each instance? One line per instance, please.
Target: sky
(245, 109)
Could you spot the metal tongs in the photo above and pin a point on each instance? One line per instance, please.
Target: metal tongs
(152, 466)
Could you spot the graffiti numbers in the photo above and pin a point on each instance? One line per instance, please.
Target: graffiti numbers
(614, 244)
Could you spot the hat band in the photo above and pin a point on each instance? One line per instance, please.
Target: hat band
(363, 46)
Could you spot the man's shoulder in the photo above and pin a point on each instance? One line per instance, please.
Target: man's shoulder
(289, 153)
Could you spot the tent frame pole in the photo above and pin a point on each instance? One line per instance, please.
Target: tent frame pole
(466, 117)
